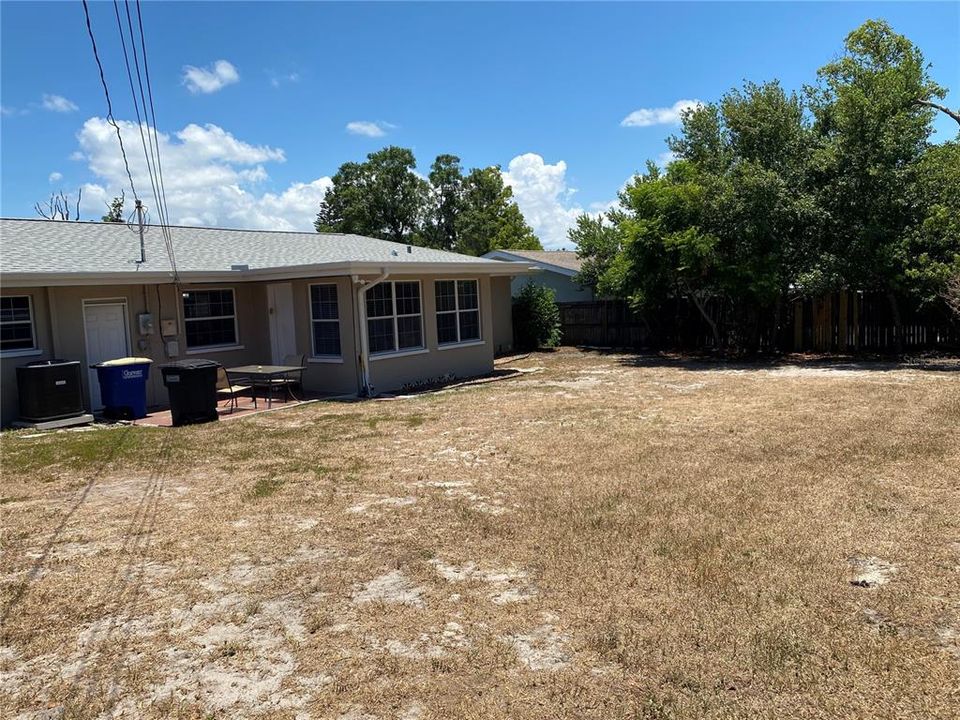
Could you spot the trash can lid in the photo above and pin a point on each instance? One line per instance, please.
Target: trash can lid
(196, 364)
(124, 361)
(50, 363)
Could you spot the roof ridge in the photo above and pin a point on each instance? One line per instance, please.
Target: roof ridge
(305, 233)
(200, 227)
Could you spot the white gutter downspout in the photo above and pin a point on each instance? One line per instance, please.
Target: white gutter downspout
(362, 287)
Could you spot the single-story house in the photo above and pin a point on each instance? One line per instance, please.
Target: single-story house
(369, 315)
(557, 271)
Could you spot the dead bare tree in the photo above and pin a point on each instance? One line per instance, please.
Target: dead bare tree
(938, 106)
(58, 207)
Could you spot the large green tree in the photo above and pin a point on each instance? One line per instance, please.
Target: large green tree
(382, 197)
(489, 218)
(598, 242)
(446, 203)
(667, 251)
(929, 250)
(775, 195)
(345, 207)
(729, 222)
(872, 129)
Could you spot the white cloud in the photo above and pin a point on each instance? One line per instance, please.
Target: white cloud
(215, 143)
(55, 177)
(58, 103)
(211, 78)
(278, 80)
(665, 158)
(368, 128)
(645, 117)
(210, 178)
(543, 197)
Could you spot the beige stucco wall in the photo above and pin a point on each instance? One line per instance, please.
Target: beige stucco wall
(58, 317)
(325, 375)
(502, 310)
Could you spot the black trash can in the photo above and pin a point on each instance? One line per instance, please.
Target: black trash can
(192, 387)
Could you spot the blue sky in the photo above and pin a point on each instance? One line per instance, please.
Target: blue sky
(540, 89)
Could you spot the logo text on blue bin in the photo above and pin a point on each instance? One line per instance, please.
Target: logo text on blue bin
(131, 374)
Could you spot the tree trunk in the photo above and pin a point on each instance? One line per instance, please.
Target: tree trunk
(897, 322)
(754, 321)
(706, 316)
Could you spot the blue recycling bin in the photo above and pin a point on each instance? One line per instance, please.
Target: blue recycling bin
(123, 387)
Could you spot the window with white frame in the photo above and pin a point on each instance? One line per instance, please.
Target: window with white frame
(325, 318)
(209, 317)
(458, 311)
(394, 317)
(16, 323)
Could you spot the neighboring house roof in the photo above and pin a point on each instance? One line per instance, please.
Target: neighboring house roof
(63, 252)
(564, 262)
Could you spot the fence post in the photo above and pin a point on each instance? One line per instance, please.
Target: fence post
(798, 325)
(856, 321)
(842, 330)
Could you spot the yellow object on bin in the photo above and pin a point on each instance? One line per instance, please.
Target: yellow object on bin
(125, 361)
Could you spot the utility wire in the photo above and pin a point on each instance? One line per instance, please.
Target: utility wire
(149, 135)
(106, 92)
(146, 70)
(136, 104)
(162, 199)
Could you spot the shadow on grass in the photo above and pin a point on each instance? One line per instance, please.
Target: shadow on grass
(97, 473)
(500, 373)
(711, 362)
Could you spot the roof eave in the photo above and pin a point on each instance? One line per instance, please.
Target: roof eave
(539, 264)
(136, 277)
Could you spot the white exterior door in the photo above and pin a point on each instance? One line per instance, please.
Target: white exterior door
(283, 338)
(105, 330)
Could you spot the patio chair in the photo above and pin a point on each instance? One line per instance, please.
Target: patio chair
(226, 388)
(288, 382)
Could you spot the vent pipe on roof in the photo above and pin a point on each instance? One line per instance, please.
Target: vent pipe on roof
(409, 249)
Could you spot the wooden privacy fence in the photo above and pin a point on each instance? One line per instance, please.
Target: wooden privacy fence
(854, 321)
(836, 322)
(602, 323)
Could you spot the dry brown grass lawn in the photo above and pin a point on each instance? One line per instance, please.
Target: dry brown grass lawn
(606, 538)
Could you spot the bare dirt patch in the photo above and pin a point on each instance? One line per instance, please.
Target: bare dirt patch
(871, 571)
(391, 587)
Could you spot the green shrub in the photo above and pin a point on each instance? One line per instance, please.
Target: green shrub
(536, 318)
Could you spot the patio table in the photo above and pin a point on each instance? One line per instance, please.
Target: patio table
(266, 374)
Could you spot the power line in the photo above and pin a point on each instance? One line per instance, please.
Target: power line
(136, 104)
(163, 190)
(106, 92)
(149, 141)
(146, 70)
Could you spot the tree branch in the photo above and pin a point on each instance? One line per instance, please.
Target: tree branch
(941, 108)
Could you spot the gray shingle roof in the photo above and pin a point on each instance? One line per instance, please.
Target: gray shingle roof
(46, 247)
(566, 259)
(561, 258)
